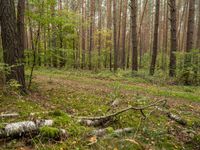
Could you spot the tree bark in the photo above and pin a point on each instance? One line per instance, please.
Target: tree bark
(83, 32)
(155, 41)
(190, 28)
(124, 34)
(198, 31)
(12, 52)
(134, 35)
(92, 15)
(109, 28)
(172, 64)
(99, 28)
(115, 36)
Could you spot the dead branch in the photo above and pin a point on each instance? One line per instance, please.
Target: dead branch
(96, 121)
(173, 116)
(9, 115)
(105, 131)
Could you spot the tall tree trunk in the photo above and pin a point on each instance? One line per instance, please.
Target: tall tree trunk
(12, 52)
(83, 32)
(123, 63)
(198, 31)
(115, 36)
(21, 35)
(109, 26)
(172, 64)
(190, 28)
(165, 36)
(61, 52)
(189, 42)
(99, 28)
(139, 32)
(134, 35)
(92, 18)
(53, 39)
(155, 41)
(119, 19)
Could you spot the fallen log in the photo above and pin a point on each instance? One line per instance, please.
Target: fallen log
(19, 128)
(26, 127)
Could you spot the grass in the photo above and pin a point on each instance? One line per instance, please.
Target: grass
(85, 93)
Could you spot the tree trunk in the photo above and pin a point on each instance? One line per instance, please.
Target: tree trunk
(190, 28)
(83, 32)
(92, 18)
(172, 64)
(115, 36)
(155, 41)
(123, 64)
(119, 19)
(12, 52)
(140, 34)
(21, 35)
(198, 31)
(53, 38)
(109, 27)
(134, 35)
(99, 28)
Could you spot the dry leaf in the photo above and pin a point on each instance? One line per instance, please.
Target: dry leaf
(92, 140)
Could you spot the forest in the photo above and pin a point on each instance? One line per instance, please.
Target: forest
(99, 74)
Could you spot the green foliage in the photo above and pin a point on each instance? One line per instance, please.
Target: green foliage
(188, 68)
(49, 132)
(116, 91)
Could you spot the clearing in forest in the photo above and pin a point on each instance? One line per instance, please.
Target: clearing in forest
(64, 95)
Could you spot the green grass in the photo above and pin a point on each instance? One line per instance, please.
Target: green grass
(84, 93)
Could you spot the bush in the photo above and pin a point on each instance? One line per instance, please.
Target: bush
(188, 68)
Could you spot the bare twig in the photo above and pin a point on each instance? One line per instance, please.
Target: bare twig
(125, 110)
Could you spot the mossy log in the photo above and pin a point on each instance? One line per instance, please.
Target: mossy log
(25, 127)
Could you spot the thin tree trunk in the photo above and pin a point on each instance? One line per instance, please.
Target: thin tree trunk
(99, 28)
(198, 31)
(123, 64)
(172, 64)
(119, 18)
(134, 35)
(83, 32)
(92, 15)
(155, 41)
(109, 26)
(53, 40)
(190, 28)
(139, 33)
(115, 36)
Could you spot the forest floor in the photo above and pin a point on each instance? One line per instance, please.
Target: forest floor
(84, 93)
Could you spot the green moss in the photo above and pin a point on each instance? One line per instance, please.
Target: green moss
(49, 132)
(109, 130)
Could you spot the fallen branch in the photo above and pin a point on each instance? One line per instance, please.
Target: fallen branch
(96, 121)
(105, 131)
(9, 115)
(173, 116)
